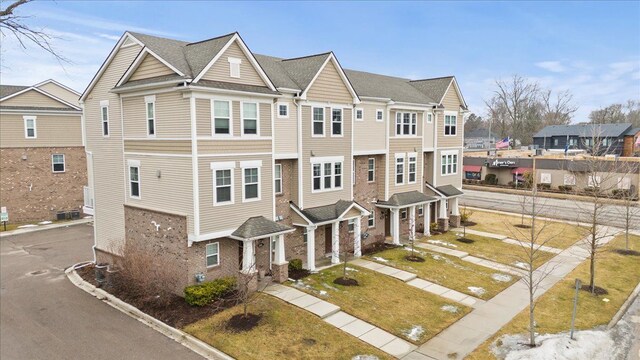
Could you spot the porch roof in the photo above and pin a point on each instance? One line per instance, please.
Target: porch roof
(259, 227)
(406, 198)
(326, 213)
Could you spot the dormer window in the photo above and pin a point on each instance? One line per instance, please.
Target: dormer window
(234, 67)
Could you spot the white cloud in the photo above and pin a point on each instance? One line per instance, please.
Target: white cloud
(108, 37)
(553, 66)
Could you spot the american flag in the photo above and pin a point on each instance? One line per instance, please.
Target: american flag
(503, 144)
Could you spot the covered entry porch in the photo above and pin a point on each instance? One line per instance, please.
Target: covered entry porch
(406, 204)
(448, 212)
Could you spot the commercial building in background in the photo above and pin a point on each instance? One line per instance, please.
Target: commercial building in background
(221, 161)
(44, 169)
(479, 139)
(614, 139)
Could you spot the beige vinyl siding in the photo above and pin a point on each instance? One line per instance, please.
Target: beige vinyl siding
(157, 146)
(209, 147)
(427, 132)
(51, 130)
(229, 217)
(286, 130)
(455, 180)
(329, 87)
(109, 188)
(32, 98)
(405, 145)
(451, 102)
(171, 192)
(60, 92)
(427, 167)
(321, 147)
(172, 116)
(220, 70)
(381, 164)
(369, 134)
(150, 67)
(203, 117)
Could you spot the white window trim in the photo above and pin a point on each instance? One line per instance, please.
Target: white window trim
(35, 127)
(151, 100)
(402, 134)
(420, 210)
(333, 161)
(544, 176)
(234, 63)
(455, 125)
(356, 114)
(226, 165)
(446, 153)
(324, 122)
(242, 134)
(380, 111)
(252, 164)
(278, 110)
(395, 169)
(372, 216)
(105, 104)
(429, 117)
(342, 122)
(206, 256)
(64, 164)
(369, 170)
(404, 214)
(275, 166)
(136, 164)
(213, 119)
(351, 222)
(409, 162)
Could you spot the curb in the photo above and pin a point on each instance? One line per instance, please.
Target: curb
(45, 227)
(625, 306)
(188, 341)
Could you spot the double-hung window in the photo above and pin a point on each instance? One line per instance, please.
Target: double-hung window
(213, 254)
(326, 175)
(412, 168)
(150, 105)
(277, 177)
(30, 127)
(283, 111)
(379, 115)
(337, 175)
(221, 117)
(104, 116)
(318, 121)
(406, 123)
(371, 221)
(57, 163)
(420, 210)
(134, 179)
(249, 118)
(450, 124)
(371, 171)
(223, 182)
(399, 169)
(429, 118)
(351, 225)
(449, 163)
(251, 184)
(336, 122)
(359, 114)
(317, 176)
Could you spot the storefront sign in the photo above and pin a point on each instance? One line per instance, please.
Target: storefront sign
(502, 163)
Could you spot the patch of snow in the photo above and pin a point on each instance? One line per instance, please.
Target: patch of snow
(330, 287)
(408, 248)
(437, 257)
(475, 290)
(27, 226)
(365, 357)
(501, 277)
(45, 222)
(521, 265)
(414, 333)
(377, 258)
(449, 308)
(352, 269)
(443, 243)
(322, 292)
(605, 300)
(88, 217)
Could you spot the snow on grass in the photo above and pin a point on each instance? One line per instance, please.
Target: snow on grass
(475, 290)
(365, 357)
(330, 287)
(414, 333)
(449, 308)
(443, 243)
(27, 226)
(501, 277)
(45, 222)
(408, 248)
(377, 258)
(352, 269)
(521, 265)
(437, 257)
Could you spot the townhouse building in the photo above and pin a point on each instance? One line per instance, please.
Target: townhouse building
(219, 160)
(41, 152)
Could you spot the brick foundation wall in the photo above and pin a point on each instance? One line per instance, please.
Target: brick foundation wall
(367, 194)
(29, 188)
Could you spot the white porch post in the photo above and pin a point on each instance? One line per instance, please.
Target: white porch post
(395, 226)
(357, 241)
(454, 206)
(279, 251)
(427, 219)
(311, 248)
(412, 222)
(248, 257)
(335, 242)
(443, 209)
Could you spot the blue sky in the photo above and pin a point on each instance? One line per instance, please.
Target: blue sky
(590, 48)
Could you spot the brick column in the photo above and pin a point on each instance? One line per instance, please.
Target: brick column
(454, 218)
(443, 220)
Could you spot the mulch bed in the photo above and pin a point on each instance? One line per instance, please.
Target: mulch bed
(598, 290)
(522, 226)
(240, 323)
(298, 274)
(468, 223)
(465, 240)
(346, 282)
(174, 312)
(414, 258)
(627, 252)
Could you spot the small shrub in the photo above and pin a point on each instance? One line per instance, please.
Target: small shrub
(205, 293)
(621, 193)
(544, 186)
(295, 265)
(565, 188)
(434, 227)
(491, 179)
(465, 215)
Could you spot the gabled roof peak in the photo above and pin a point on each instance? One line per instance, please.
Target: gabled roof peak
(308, 56)
(214, 38)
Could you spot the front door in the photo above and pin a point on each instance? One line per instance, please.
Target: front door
(327, 239)
(387, 222)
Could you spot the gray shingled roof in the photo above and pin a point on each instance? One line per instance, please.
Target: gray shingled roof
(632, 131)
(584, 130)
(276, 72)
(169, 50)
(6, 90)
(407, 198)
(199, 54)
(449, 190)
(153, 80)
(434, 88)
(327, 212)
(41, 108)
(259, 227)
(237, 87)
(302, 70)
(382, 86)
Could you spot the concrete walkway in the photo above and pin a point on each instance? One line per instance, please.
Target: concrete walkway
(332, 314)
(424, 285)
(461, 338)
(507, 240)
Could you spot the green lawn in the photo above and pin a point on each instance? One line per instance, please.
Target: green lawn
(618, 274)
(487, 248)
(284, 332)
(386, 302)
(555, 234)
(448, 271)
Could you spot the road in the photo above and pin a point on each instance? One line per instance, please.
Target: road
(44, 316)
(554, 208)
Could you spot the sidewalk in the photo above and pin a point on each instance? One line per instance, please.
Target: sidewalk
(461, 338)
(507, 240)
(45, 227)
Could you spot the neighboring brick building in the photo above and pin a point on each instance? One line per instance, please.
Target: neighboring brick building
(44, 167)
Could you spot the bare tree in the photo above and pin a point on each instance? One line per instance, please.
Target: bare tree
(558, 109)
(518, 97)
(627, 193)
(15, 24)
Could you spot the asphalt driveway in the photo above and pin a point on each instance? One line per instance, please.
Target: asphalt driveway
(44, 316)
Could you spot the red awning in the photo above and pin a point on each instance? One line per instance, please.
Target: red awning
(472, 168)
(520, 170)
